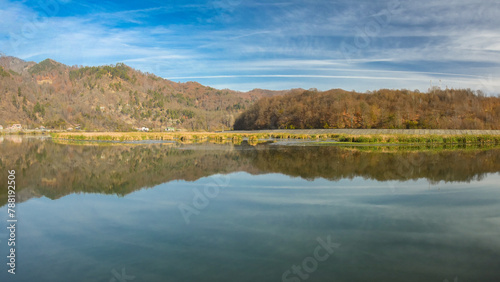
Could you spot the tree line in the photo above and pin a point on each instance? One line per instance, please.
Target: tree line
(399, 109)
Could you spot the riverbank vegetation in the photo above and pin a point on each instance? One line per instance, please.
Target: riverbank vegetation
(237, 137)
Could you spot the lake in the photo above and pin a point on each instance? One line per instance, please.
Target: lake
(267, 212)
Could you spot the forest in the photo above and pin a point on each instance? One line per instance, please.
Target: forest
(120, 98)
(112, 98)
(397, 109)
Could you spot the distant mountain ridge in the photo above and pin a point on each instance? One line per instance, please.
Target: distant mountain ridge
(15, 64)
(114, 97)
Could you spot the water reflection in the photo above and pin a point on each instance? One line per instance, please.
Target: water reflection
(54, 170)
(278, 202)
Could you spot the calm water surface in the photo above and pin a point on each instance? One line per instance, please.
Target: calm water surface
(251, 213)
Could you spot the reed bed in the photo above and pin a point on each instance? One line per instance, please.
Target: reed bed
(223, 137)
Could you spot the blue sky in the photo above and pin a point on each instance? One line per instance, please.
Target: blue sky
(354, 45)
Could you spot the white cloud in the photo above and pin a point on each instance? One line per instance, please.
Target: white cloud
(297, 44)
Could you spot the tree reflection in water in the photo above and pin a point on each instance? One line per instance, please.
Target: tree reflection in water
(54, 170)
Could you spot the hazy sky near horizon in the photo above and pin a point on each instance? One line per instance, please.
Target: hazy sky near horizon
(361, 45)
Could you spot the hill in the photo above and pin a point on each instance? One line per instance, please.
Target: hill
(114, 97)
(436, 109)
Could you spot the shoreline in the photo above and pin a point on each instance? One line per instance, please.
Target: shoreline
(334, 136)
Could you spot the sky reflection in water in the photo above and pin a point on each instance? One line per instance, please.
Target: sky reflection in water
(260, 225)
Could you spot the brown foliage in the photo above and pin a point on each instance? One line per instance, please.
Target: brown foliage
(437, 109)
(111, 98)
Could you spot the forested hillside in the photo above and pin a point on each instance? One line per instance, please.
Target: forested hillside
(436, 109)
(117, 97)
(114, 97)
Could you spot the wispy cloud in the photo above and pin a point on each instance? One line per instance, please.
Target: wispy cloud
(301, 76)
(265, 44)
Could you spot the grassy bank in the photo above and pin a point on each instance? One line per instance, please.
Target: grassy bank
(24, 132)
(256, 137)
